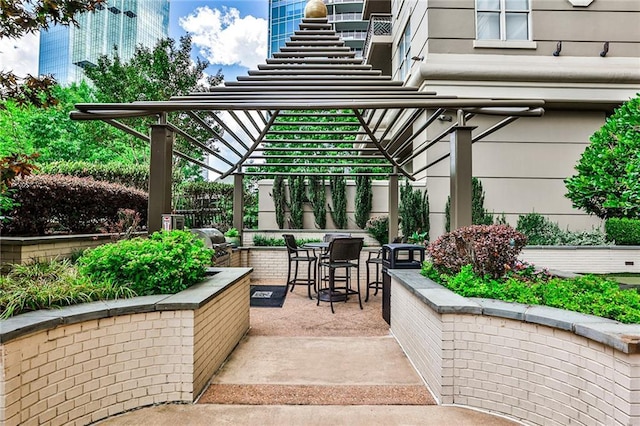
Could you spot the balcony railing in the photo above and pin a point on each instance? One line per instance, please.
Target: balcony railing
(379, 25)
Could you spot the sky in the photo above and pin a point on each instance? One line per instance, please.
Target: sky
(230, 34)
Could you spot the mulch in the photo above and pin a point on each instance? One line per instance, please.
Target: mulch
(316, 395)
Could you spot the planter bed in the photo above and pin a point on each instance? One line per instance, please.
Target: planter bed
(533, 364)
(87, 362)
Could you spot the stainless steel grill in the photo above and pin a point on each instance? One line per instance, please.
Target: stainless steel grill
(214, 239)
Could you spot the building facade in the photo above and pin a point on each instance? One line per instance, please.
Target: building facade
(582, 57)
(345, 15)
(125, 24)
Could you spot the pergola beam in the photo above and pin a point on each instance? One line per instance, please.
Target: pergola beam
(314, 75)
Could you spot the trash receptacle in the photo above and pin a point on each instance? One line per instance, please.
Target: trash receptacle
(397, 256)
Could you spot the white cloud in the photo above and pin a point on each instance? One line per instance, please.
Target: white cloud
(224, 38)
(20, 55)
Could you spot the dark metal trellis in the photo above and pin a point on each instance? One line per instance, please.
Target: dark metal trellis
(315, 76)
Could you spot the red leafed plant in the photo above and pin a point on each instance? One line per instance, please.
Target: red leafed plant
(490, 249)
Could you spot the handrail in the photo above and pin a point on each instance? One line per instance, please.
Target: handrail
(379, 24)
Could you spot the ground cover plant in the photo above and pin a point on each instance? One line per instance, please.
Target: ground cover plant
(52, 284)
(481, 261)
(262, 241)
(164, 263)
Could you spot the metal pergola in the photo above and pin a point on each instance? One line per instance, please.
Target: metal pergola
(314, 101)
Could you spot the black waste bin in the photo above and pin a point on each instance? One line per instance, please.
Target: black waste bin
(397, 256)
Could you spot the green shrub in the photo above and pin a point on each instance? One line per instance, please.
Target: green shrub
(262, 241)
(490, 249)
(587, 294)
(135, 175)
(363, 201)
(52, 284)
(297, 197)
(414, 211)
(279, 200)
(623, 231)
(378, 228)
(479, 215)
(46, 204)
(608, 173)
(339, 201)
(594, 237)
(164, 263)
(539, 230)
(318, 200)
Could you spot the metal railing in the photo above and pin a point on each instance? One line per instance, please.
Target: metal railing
(379, 25)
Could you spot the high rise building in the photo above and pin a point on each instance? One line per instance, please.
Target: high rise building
(345, 15)
(65, 51)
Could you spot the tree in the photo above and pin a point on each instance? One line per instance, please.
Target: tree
(339, 199)
(318, 199)
(49, 131)
(479, 215)
(297, 198)
(364, 198)
(414, 212)
(279, 200)
(18, 18)
(156, 74)
(608, 180)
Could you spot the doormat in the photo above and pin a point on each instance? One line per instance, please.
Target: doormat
(267, 296)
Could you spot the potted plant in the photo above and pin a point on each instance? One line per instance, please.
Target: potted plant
(232, 236)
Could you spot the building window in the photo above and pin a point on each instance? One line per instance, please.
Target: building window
(502, 19)
(404, 53)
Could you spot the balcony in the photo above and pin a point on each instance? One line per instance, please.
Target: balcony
(370, 7)
(377, 45)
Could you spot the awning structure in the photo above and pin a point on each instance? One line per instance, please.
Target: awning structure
(317, 101)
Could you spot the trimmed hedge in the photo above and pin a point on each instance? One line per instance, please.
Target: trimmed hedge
(133, 175)
(623, 231)
(47, 204)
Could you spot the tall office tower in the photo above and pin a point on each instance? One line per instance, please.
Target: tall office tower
(345, 15)
(65, 51)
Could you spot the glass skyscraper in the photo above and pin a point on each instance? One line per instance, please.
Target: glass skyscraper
(345, 15)
(65, 51)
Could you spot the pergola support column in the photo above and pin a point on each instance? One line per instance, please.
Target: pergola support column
(394, 228)
(460, 177)
(160, 175)
(238, 202)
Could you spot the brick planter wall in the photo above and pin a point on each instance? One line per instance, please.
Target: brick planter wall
(83, 363)
(24, 249)
(269, 264)
(586, 259)
(534, 364)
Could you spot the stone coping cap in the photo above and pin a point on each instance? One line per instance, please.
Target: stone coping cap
(25, 241)
(622, 337)
(190, 299)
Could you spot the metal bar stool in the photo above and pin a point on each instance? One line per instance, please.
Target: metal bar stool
(297, 255)
(344, 253)
(375, 258)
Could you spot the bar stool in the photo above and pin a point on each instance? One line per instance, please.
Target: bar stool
(344, 253)
(375, 258)
(296, 256)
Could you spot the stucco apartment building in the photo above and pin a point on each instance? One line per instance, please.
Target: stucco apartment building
(582, 57)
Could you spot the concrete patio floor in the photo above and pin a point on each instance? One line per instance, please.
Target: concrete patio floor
(339, 369)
